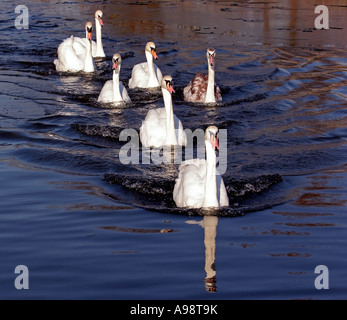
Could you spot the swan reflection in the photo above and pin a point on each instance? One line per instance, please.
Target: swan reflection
(209, 223)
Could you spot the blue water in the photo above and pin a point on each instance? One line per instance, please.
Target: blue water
(83, 236)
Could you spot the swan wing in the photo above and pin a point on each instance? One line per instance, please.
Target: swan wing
(79, 46)
(218, 94)
(180, 134)
(195, 91)
(189, 188)
(124, 93)
(158, 73)
(83, 42)
(68, 60)
(153, 129)
(222, 194)
(139, 76)
(106, 94)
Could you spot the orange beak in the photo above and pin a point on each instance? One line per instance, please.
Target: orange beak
(154, 54)
(211, 60)
(215, 142)
(115, 65)
(170, 88)
(101, 22)
(89, 35)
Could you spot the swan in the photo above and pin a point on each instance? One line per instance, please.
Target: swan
(113, 90)
(97, 47)
(199, 185)
(146, 74)
(202, 87)
(161, 127)
(72, 57)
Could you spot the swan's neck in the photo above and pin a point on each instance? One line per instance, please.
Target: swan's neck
(210, 198)
(210, 96)
(152, 79)
(170, 121)
(99, 47)
(117, 97)
(88, 62)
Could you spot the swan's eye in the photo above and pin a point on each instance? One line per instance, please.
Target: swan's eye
(214, 135)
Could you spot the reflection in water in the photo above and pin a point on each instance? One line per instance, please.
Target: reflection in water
(209, 223)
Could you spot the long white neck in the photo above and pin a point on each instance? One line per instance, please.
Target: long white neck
(88, 61)
(210, 197)
(117, 97)
(170, 121)
(152, 80)
(99, 47)
(210, 96)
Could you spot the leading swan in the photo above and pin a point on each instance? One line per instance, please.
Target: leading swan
(199, 185)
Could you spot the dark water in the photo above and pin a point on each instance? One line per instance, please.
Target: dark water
(89, 227)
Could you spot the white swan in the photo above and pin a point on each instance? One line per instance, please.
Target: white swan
(199, 185)
(97, 47)
(146, 74)
(161, 127)
(113, 90)
(71, 55)
(202, 87)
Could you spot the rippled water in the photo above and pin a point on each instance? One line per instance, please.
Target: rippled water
(88, 226)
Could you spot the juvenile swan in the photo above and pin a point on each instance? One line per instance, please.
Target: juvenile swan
(202, 88)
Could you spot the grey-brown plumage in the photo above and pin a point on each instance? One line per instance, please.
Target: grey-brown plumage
(196, 90)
